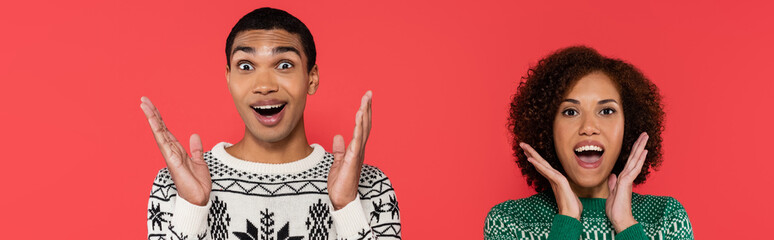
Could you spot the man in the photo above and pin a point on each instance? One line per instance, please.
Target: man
(271, 184)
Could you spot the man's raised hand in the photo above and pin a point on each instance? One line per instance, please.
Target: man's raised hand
(189, 173)
(344, 175)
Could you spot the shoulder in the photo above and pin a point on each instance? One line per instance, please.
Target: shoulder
(657, 208)
(374, 183)
(371, 174)
(163, 177)
(666, 203)
(536, 208)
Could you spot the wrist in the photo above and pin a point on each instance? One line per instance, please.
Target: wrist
(621, 225)
(340, 202)
(575, 214)
(198, 201)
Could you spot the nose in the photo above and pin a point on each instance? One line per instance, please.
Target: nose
(265, 83)
(589, 126)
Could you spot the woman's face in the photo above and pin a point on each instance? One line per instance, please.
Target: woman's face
(588, 130)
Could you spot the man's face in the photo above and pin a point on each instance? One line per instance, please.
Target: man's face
(268, 80)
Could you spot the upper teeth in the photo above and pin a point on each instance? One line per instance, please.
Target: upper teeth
(267, 106)
(588, 148)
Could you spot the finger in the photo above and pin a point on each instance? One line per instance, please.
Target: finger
(523, 148)
(541, 169)
(637, 152)
(539, 159)
(157, 127)
(633, 156)
(370, 102)
(636, 171)
(353, 150)
(532, 152)
(197, 151)
(150, 104)
(367, 118)
(338, 149)
(200, 168)
(165, 140)
(611, 182)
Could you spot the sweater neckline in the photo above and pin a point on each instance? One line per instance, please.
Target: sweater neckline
(593, 204)
(219, 152)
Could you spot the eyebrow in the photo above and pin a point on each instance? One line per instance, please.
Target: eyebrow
(600, 101)
(275, 51)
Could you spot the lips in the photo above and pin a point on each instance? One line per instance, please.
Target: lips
(269, 112)
(588, 153)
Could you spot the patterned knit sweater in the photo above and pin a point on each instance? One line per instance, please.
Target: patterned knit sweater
(287, 201)
(536, 217)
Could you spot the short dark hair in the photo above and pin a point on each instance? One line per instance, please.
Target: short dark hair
(537, 99)
(270, 19)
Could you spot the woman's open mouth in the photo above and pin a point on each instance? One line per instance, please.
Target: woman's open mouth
(589, 154)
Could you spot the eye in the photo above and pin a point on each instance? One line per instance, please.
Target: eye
(245, 66)
(284, 65)
(607, 111)
(570, 112)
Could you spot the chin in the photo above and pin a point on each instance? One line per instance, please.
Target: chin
(270, 135)
(590, 181)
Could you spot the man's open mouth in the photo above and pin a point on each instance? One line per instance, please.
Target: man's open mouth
(268, 110)
(589, 153)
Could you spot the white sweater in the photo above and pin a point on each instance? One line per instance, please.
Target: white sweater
(263, 201)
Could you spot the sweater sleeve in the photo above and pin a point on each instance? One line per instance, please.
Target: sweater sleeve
(634, 232)
(374, 214)
(498, 225)
(172, 217)
(675, 224)
(565, 227)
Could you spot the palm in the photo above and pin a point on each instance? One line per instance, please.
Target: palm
(189, 173)
(568, 203)
(618, 206)
(344, 174)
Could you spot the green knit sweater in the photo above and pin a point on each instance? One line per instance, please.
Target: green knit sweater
(536, 217)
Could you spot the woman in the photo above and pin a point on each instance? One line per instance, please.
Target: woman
(586, 129)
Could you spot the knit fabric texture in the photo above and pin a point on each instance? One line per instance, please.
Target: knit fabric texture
(261, 201)
(536, 218)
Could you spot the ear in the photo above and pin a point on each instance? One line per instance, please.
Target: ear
(314, 80)
(227, 75)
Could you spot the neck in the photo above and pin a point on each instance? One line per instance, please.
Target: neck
(291, 148)
(599, 191)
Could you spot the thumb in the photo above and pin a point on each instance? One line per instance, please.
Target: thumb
(338, 149)
(197, 152)
(611, 182)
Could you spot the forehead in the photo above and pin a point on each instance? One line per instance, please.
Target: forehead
(596, 85)
(266, 40)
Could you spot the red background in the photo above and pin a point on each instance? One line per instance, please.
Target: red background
(79, 157)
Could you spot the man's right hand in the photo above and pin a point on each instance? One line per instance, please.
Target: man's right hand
(189, 173)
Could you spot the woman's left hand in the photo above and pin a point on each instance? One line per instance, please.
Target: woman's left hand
(619, 203)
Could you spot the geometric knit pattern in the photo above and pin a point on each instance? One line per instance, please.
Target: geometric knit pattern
(536, 217)
(284, 206)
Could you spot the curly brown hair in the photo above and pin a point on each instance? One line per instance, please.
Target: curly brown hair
(540, 92)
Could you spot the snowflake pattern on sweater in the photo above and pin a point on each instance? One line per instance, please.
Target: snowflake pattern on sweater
(259, 201)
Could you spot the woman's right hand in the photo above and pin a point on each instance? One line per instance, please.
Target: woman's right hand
(566, 200)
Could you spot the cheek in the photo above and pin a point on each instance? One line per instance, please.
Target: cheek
(295, 85)
(563, 132)
(615, 132)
